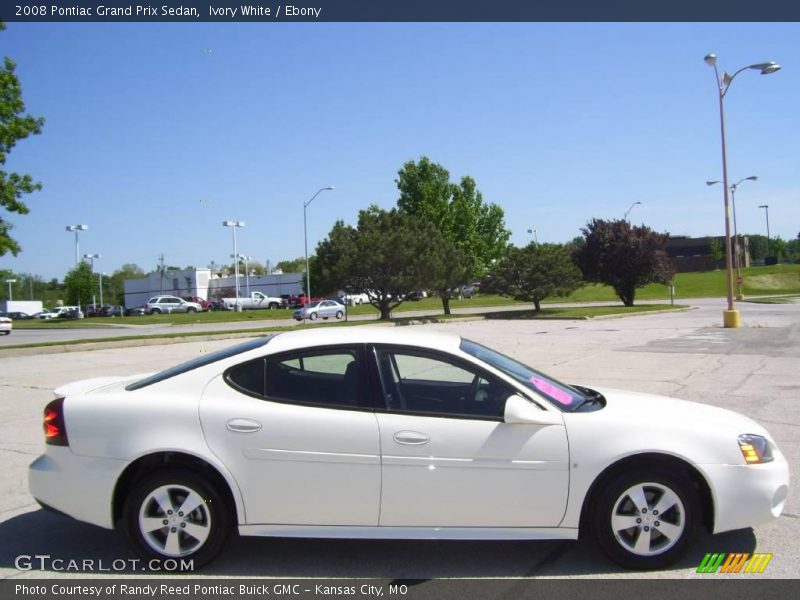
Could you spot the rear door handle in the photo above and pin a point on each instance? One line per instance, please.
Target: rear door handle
(243, 425)
(411, 438)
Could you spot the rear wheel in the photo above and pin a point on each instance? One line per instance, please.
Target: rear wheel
(155, 311)
(191, 309)
(645, 519)
(339, 314)
(175, 513)
(273, 306)
(313, 316)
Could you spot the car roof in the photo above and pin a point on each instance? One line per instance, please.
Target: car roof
(405, 336)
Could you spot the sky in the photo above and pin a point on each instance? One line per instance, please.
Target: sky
(155, 133)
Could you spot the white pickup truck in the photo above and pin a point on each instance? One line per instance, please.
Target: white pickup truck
(256, 300)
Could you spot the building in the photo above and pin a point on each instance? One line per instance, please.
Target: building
(208, 285)
(694, 254)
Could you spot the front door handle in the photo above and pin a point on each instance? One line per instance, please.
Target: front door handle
(411, 438)
(243, 425)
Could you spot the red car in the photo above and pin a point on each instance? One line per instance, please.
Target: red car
(204, 303)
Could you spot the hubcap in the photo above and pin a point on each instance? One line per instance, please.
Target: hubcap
(648, 519)
(174, 520)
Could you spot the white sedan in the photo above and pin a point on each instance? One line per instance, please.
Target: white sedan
(324, 308)
(386, 433)
(6, 325)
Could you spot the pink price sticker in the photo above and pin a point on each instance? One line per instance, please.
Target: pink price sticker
(555, 393)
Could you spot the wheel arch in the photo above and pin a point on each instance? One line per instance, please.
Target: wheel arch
(650, 459)
(149, 463)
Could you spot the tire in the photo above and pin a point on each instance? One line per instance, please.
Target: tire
(191, 309)
(209, 518)
(313, 316)
(645, 519)
(273, 306)
(339, 314)
(155, 311)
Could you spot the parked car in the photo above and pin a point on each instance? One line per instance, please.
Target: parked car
(170, 304)
(204, 304)
(324, 308)
(375, 432)
(58, 312)
(136, 311)
(6, 325)
(16, 316)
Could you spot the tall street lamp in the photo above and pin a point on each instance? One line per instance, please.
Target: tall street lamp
(737, 242)
(77, 229)
(766, 213)
(91, 258)
(730, 317)
(234, 225)
(535, 237)
(9, 282)
(100, 281)
(246, 260)
(627, 212)
(305, 242)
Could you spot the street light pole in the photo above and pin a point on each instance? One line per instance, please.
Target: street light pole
(234, 225)
(76, 229)
(766, 212)
(9, 282)
(627, 212)
(305, 244)
(737, 242)
(535, 238)
(91, 258)
(100, 281)
(730, 317)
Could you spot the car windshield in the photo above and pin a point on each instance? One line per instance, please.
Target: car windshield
(560, 394)
(198, 362)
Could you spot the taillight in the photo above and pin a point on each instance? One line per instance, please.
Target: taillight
(55, 432)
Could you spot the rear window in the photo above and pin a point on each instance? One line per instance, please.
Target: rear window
(198, 362)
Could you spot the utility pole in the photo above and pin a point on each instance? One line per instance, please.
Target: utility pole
(161, 270)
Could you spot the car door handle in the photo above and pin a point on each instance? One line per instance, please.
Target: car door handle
(411, 438)
(243, 425)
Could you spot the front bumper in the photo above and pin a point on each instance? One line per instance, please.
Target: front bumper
(78, 486)
(747, 495)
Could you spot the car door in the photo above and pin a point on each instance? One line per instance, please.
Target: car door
(298, 436)
(448, 458)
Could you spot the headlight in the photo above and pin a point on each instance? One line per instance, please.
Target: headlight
(755, 448)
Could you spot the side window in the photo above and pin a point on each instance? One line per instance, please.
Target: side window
(427, 384)
(248, 377)
(324, 377)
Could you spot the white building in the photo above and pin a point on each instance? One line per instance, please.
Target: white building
(202, 283)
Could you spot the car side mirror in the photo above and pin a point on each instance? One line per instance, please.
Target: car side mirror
(521, 411)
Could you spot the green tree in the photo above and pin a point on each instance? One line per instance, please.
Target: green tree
(388, 255)
(535, 272)
(716, 251)
(80, 284)
(458, 211)
(115, 292)
(624, 257)
(298, 265)
(14, 126)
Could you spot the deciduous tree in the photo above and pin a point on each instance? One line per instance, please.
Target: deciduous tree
(388, 255)
(15, 125)
(624, 257)
(533, 273)
(458, 211)
(80, 283)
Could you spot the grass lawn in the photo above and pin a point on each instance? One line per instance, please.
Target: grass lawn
(581, 312)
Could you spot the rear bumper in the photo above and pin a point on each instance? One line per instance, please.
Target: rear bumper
(80, 487)
(747, 495)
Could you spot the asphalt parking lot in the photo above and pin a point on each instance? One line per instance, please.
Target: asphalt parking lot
(753, 370)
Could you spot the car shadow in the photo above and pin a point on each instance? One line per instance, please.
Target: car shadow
(41, 533)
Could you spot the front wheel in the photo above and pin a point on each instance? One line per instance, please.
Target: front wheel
(313, 316)
(191, 309)
(339, 314)
(175, 513)
(645, 519)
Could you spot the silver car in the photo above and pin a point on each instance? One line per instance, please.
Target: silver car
(323, 308)
(170, 304)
